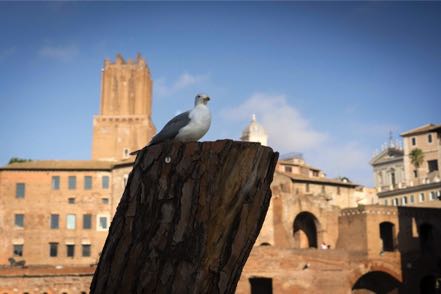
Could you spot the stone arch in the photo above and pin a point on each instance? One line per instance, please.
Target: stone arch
(305, 230)
(387, 236)
(376, 282)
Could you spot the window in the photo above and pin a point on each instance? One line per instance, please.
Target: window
(413, 141)
(307, 187)
(102, 223)
(70, 224)
(72, 182)
(412, 200)
(105, 182)
(315, 173)
(20, 190)
(55, 221)
(70, 250)
(404, 201)
(87, 221)
(261, 285)
(288, 169)
(432, 195)
(105, 200)
(395, 202)
(421, 197)
(85, 249)
(87, 182)
(19, 220)
(71, 200)
(415, 173)
(55, 183)
(433, 165)
(17, 250)
(338, 191)
(385, 202)
(429, 138)
(53, 249)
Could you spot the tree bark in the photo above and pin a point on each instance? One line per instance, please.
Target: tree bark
(188, 218)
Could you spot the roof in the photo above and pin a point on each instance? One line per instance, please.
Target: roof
(411, 189)
(423, 129)
(60, 165)
(42, 271)
(302, 178)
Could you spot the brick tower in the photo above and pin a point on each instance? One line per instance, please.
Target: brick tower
(124, 123)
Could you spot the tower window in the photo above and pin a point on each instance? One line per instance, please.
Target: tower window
(70, 250)
(429, 138)
(53, 249)
(17, 250)
(105, 182)
(87, 182)
(72, 182)
(413, 141)
(19, 220)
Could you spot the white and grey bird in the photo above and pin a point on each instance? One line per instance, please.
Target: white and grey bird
(188, 126)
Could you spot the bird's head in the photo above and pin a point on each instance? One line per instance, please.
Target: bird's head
(201, 99)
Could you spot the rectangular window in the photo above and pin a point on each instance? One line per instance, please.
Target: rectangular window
(17, 250)
(55, 221)
(432, 195)
(105, 182)
(71, 200)
(20, 190)
(19, 220)
(415, 173)
(433, 165)
(70, 250)
(53, 249)
(404, 201)
(70, 224)
(421, 197)
(85, 248)
(102, 223)
(429, 138)
(72, 182)
(105, 200)
(412, 200)
(55, 183)
(87, 221)
(395, 202)
(87, 182)
(385, 202)
(413, 141)
(288, 169)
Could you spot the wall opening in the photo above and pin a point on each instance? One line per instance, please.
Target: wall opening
(425, 231)
(387, 236)
(305, 230)
(261, 285)
(377, 282)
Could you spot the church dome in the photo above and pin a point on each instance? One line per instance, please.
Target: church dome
(254, 132)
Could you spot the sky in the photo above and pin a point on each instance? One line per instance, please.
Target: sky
(327, 79)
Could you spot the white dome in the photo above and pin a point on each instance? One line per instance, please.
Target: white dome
(254, 132)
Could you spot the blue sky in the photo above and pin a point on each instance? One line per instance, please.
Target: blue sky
(328, 79)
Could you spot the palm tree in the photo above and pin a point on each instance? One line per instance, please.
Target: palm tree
(416, 158)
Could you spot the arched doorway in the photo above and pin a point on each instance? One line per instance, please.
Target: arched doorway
(376, 282)
(305, 230)
(387, 232)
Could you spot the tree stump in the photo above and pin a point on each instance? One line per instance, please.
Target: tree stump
(188, 218)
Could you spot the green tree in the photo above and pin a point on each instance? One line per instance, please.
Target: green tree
(17, 159)
(416, 158)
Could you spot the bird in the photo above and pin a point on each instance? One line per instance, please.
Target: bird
(186, 127)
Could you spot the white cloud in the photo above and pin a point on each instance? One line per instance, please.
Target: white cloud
(287, 129)
(61, 53)
(185, 80)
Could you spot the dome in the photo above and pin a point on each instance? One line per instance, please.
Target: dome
(254, 132)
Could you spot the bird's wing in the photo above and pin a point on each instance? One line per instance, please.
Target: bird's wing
(171, 129)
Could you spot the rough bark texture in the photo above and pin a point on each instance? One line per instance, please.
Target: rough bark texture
(188, 218)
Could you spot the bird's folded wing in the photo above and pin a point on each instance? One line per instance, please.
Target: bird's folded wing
(171, 129)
